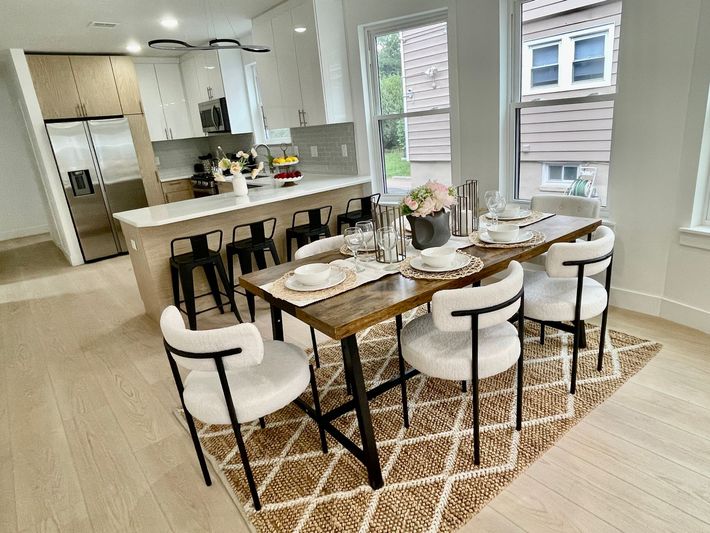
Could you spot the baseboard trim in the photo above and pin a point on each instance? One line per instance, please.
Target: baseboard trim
(655, 305)
(27, 231)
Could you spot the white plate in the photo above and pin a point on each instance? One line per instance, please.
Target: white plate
(524, 213)
(336, 277)
(460, 261)
(524, 236)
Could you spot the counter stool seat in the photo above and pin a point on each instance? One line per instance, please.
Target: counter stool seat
(257, 245)
(181, 274)
(312, 231)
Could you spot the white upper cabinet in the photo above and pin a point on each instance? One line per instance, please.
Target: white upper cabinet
(164, 101)
(235, 91)
(209, 61)
(304, 80)
(193, 91)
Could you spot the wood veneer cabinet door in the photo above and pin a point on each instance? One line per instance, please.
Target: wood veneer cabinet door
(54, 85)
(124, 72)
(146, 159)
(96, 85)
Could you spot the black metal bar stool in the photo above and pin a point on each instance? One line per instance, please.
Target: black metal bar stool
(257, 244)
(305, 233)
(181, 267)
(364, 213)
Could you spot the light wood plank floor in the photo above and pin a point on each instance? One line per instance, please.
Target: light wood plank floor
(88, 441)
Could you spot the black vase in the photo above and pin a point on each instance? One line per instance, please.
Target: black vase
(431, 230)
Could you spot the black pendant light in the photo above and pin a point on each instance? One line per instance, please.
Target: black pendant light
(214, 44)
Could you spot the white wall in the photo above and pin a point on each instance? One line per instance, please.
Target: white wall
(23, 204)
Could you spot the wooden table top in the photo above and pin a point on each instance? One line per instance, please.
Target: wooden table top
(364, 306)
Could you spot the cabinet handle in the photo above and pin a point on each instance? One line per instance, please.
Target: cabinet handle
(305, 123)
(140, 104)
(166, 133)
(263, 116)
(300, 120)
(83, 107)
(78, 110)
(171, 133)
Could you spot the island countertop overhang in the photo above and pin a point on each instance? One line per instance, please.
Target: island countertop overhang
(160, 215)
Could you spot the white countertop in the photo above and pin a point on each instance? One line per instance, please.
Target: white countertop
(160, 215)
(175, 178)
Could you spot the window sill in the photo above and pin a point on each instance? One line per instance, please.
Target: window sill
(696, 237)
(555, 187)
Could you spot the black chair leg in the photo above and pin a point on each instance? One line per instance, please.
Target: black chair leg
(262, 422)
(315, 347)
(316, 406)
(602, 337)
(230, 268)
(228, 290)
(542, 333)
(519, 397)
(188, 291)
(260, 259)
(464, 387)
(274, 254)
(582, 335)
(214, 287)
(198, 447)
(575, 355)
(236, 427)
(428, 307)
(175, 279)
(326, 231)
(245, 266)
(288, 247)
(476, 421)
(402, 379)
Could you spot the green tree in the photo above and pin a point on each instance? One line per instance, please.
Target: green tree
(389, 62)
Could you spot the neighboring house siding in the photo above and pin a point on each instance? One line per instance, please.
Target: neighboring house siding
(428, 138)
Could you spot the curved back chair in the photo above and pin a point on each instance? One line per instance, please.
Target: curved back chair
(573, 206)
(318, 247)
(235, 377)
(566, 293)
(468, 336)
(350, 218)
(310, 231)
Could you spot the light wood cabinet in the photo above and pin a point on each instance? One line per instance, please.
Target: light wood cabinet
(146, 159)
(177, 190)
(304, 81)
(96, 85)
(54, 85)
(124, 72)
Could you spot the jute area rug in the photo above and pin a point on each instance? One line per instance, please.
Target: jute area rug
(431, 483)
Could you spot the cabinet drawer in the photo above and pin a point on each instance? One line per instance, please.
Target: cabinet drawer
(178, 196)
(177, 185)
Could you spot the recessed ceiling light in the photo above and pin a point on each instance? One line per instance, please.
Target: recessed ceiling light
(299, 29)
(133, 47)
(169, 22)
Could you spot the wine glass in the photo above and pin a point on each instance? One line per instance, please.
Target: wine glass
(387, 242)
(354, 239)
(495, 202)
(368, 232)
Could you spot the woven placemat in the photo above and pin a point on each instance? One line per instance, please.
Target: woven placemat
(282, 292)
(534, 216)
(537, 238)
(346, 251)
(474, 266)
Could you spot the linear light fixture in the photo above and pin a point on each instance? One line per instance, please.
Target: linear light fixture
(214, 44)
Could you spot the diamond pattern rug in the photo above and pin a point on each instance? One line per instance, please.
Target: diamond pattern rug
(431, 483)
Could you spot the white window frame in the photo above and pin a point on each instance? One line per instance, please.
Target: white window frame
(374, 117)
(565, 59)
(509, 180)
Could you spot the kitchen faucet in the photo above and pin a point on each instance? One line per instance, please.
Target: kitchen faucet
(267, 164)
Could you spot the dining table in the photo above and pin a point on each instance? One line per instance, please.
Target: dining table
(342, 316)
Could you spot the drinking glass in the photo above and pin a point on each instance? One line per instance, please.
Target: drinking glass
(354, 239)
(495, 202)
(369, 235)
(387, 242)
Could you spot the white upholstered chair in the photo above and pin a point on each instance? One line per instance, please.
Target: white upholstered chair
(573, 206)
(234, 377)
(467, 336)
(565, 292)
(320, 246)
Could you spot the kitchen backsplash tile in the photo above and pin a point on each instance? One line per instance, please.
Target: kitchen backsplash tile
(230, 143)
(177, 157)
(329, 140)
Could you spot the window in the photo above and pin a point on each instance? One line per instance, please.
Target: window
(564, 82)
(568, 61)
(409, 87)
(545, 66)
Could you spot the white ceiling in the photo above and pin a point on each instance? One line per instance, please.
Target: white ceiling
(62, 25)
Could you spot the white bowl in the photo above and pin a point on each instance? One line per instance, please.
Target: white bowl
(438, 257)
(503, 232)
(312, 274)
(511, 211)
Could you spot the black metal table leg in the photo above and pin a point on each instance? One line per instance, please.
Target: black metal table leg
(277, 324)
(362, 410)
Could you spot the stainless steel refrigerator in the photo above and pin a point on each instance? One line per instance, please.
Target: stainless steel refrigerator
(100, 175)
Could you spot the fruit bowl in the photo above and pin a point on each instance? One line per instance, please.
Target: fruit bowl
(288, 178)
(285, 163)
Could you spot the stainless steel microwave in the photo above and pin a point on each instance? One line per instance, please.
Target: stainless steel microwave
(214, 116)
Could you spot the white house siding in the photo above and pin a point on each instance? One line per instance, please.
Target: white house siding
(579, 133)
(428, 137)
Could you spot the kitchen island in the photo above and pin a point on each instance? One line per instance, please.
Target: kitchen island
(149, 231)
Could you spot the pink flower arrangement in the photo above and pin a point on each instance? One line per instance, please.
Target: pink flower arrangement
(427, 199)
